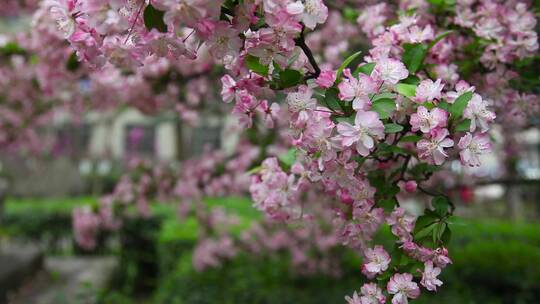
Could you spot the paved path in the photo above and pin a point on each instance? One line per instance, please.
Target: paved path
(67, 280)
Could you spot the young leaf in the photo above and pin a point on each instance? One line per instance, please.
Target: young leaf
(254, 65)
(331, 99)
(446, 236)
(385, 95)
(153, 18)
(407, 90)
(459, 105)
(464, 126)
(288, 158)
(365, 69)
(289, 78)
(441, 204)
(346, 63)
(414, 55)
(410, 138)
(422, 222)
(385, 107)
(392, 128)
(73, 63)
(424, 232)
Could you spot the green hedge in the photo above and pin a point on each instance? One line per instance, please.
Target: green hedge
(494, 262)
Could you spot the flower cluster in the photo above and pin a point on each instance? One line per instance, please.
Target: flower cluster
(365, 133)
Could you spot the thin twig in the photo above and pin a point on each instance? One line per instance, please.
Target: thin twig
(301, 42)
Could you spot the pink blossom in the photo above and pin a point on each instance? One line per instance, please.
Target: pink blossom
(229, 88)
(366, 129)
(376, 261)
(460, 88)
(372, 294)
(62, 11)
(357, 89)
(416, 34)
(390, 71)
(402, 287)
(478, 113)
(224, 41)
(428, 90)
(314, 11)
(402, 224)
(425, 120)
(429, 277)
(432, 149)
(85, 226)
(408, 186)
(472, 147)
(326, 79)
(301, 101)
(354, 300)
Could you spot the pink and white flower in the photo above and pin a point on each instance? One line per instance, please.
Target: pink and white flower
(429, 277)
(371, 294)
(301, 101)
(428, 90)
(472, 147)
(228, 90)
(314, 11)
(478, 113)
(402, 224)
(425, 120)
(357, 89)
(376, 261)
(390, 71)
(402, 287)
(366, 130)
(432, 149)
(326, 79)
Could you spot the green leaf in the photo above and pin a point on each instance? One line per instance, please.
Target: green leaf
(289, 78)
(255, 66)
(438, 231)
(350, 14)
(412, 79)
(444, 105)
(441, 204)
(73, 63)
(386, 95)
(349, 119)
(288, 158)
(331, 99)
(384, 148)
(424, 232)
(346, 63)
(422, 222)
(459, 105)
(153, 18)
(414, 55)
(464, 126)
(392, 128)
(384, 107)
(410, 138)
(12, 48)
(407, 90)
(365, 69)
(446, 236)
(422, 168)
(387, 204)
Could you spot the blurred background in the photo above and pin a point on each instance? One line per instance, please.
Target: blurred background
(495, 244)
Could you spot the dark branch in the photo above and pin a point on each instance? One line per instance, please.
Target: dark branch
(301, 42)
